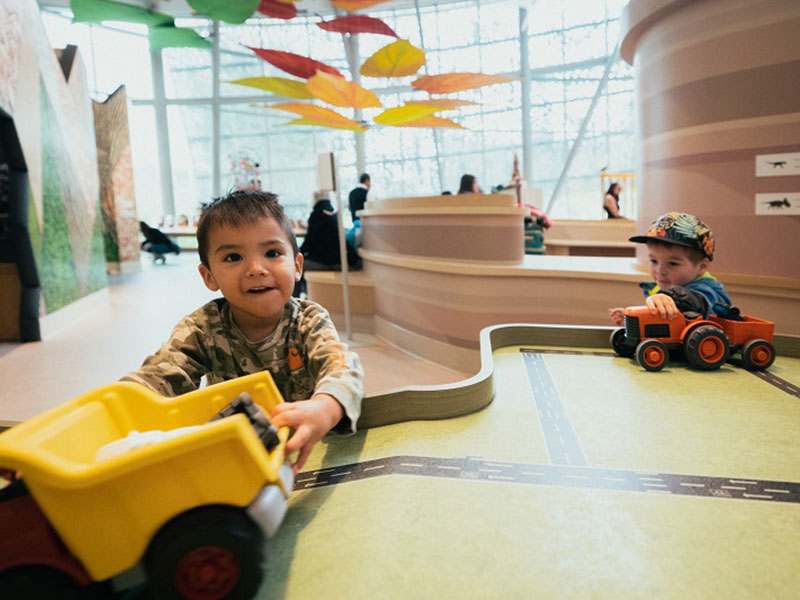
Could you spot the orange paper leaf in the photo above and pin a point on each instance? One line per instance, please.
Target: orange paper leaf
(352, 125)
(351, 5)
(405, 114)
(319, 114)
(398, 59)
(432, 121)
(456, 82)
(443, 103)
(277, 9)
(280, 86)
(357, 24)
(340, 92)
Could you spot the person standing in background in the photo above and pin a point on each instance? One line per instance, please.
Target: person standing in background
(469, 185)
(611, 201)
(359, 195)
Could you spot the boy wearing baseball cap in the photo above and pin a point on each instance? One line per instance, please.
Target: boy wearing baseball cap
(680, 248)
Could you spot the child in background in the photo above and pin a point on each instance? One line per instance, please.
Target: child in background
(249, 253)
(680, 248)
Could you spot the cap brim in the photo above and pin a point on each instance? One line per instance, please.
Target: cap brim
(643, 239)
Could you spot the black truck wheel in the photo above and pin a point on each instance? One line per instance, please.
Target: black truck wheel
(707, 348)
(207, 553)
(758, 355)
(620, 344)
(651, 355)
(45, 583)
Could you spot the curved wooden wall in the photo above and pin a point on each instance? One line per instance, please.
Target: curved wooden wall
(717, 84)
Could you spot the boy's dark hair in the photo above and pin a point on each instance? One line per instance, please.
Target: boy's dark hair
(364, 178)
(694, 255)
(239, 208)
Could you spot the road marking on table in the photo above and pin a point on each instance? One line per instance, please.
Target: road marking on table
(565, 476)
(562, 442)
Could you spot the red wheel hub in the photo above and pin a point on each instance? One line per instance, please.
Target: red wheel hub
(207, 573)
(712, 349)
(653, 356)
(760, 355)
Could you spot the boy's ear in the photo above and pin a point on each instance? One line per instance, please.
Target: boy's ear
(298, 266)
(208, 278)
(703, 265)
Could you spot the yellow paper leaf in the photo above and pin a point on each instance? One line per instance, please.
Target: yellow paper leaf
(443, 103)
(340, 92)
(405, 114)
(352, 126)
(281, 86)
(456, 82)
(432, 121)
(320, 114)
(351, 5)
(397, 59)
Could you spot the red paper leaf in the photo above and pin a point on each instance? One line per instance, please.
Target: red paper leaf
(357, 24)
(299, 66)
(277, 10)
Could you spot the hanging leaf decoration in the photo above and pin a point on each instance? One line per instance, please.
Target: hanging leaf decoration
(351, 5)
(280, 86)
(230, 11)
(350, 125)
(405, 114)
(397, 59)
(443, 103)
(96, 11)
(169, 36)
(294, 64)
(456, 82)
(432, 121)
(324, 117)
(340, 92)
(277, 10)
(353, 24)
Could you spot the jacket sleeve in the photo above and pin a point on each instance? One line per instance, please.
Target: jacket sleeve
(687, 300)
(178, 366)
(335, 370)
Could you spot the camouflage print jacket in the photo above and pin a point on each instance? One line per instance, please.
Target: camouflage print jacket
(303, 354)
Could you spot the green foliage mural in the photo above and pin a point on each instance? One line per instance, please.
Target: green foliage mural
(54, 255)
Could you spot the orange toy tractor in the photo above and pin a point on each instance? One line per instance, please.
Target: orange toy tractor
(706, 343)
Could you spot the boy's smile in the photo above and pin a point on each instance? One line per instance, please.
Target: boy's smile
(671, 265)
(255, 269)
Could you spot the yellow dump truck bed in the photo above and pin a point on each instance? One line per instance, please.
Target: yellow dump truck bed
(107, 510)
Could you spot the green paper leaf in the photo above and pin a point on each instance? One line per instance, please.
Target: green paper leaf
(96, 11)
(230, 11)
(169, 36)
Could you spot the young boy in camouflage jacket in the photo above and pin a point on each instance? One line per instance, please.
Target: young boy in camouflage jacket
(249, 253)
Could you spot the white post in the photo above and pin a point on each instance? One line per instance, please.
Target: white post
(342, 249)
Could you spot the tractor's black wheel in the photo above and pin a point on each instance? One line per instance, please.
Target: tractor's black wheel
(620, 344)
(208, 553)
(45, 583)
(651, 355)
(707, 348)
(758, 355)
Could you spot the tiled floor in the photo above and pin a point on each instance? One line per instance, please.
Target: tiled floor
(101, 347)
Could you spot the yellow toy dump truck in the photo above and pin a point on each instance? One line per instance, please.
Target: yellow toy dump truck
(192, 510)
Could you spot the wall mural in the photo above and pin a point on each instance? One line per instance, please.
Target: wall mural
(45, 95)
(117, 197)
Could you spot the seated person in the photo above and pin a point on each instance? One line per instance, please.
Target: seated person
(321, 243)
(248, 253)
(681, 247)
(156, 242)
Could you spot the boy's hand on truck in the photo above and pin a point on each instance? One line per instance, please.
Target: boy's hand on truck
(310, 420)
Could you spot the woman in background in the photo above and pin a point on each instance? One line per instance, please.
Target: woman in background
(611, 201)
(469, 185)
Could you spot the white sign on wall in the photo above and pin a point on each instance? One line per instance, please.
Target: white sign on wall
(778, 165)
(784, 203)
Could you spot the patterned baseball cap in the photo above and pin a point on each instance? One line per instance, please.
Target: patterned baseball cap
(681, 229)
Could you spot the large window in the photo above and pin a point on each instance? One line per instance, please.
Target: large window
(569, 41)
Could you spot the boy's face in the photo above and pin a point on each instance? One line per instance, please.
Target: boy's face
(256, 270)
(671, 265)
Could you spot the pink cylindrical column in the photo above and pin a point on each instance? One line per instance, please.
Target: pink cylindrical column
(718, 83)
